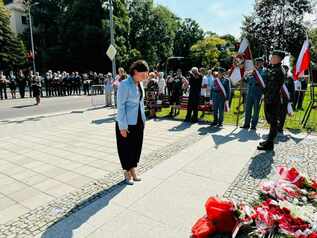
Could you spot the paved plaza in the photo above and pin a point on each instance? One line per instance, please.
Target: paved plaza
(60, 176)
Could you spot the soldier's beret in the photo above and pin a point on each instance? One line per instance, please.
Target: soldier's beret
(279, 53)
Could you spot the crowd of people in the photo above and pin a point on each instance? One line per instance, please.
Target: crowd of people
(51, 84)
(272, 86)
(210, 87)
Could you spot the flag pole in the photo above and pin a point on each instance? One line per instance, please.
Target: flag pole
(239, 105)
(310, 70)
(312, 93)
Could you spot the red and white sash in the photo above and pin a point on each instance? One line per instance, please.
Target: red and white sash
(227, 107)
(259, 79)
(220, 87)
(286, 94)
(222, 90)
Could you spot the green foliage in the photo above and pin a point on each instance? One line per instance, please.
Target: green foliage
(152, 30)
(12, 50)
(277, 24)
(68, 37)
(213, 51)
(188, 33)
(83, 37)
(313, 38)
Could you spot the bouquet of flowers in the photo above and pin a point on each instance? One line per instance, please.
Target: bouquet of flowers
(295, 177)
(288, 208)
(219, 218)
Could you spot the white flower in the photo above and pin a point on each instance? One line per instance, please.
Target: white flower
(305, 213)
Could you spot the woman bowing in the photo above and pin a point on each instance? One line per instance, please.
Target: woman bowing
(131, 120)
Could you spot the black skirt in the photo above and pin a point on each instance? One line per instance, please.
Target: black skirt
(36, 90)
(130, 148)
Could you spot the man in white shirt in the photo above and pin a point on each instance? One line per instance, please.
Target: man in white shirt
(206, 88)
(161, 84)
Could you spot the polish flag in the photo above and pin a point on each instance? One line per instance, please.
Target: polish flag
(259, 79)
(246, 52)
(236, 75)
(303, 61)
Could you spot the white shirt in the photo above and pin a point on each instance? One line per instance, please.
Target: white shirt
(207, 80)
(297, 85)
(161, 84)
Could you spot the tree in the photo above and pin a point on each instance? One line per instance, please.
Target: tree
(152, 30)
(164, 28)
(277, 24)
(66, 37)
(12, 51)
(258, 48)
(140, 25)
(313, 38)
(20, 53)
(48, 26)
(210, 52)
(189, 33)
(121, 28)
(84, 36)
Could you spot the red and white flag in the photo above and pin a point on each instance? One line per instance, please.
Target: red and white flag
(303, 61)
(246, 52)
(236, 75)
(259, 79)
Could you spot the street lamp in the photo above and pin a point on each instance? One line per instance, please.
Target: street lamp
(31, 33)
(112, 42)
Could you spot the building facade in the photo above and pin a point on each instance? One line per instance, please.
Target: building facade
(18, 19)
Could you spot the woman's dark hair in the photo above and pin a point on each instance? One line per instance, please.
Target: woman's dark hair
(140, 66)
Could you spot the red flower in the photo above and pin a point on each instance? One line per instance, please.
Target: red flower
(221, 214)
(203, 228)
(314, 185)
(292, 175)
(292, 225)
(313, 235)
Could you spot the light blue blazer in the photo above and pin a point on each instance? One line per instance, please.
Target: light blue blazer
(128, 103)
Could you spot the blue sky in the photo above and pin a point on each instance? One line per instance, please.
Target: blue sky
(220, 16)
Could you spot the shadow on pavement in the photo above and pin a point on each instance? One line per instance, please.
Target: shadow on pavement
(37, 118)
(181, 127)
(96, 108)
(240, 136)
(207, 130)
(25, 106)
(286, 137)
(104, 120)
(261, 165)
(25, 120)
(65, 227)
